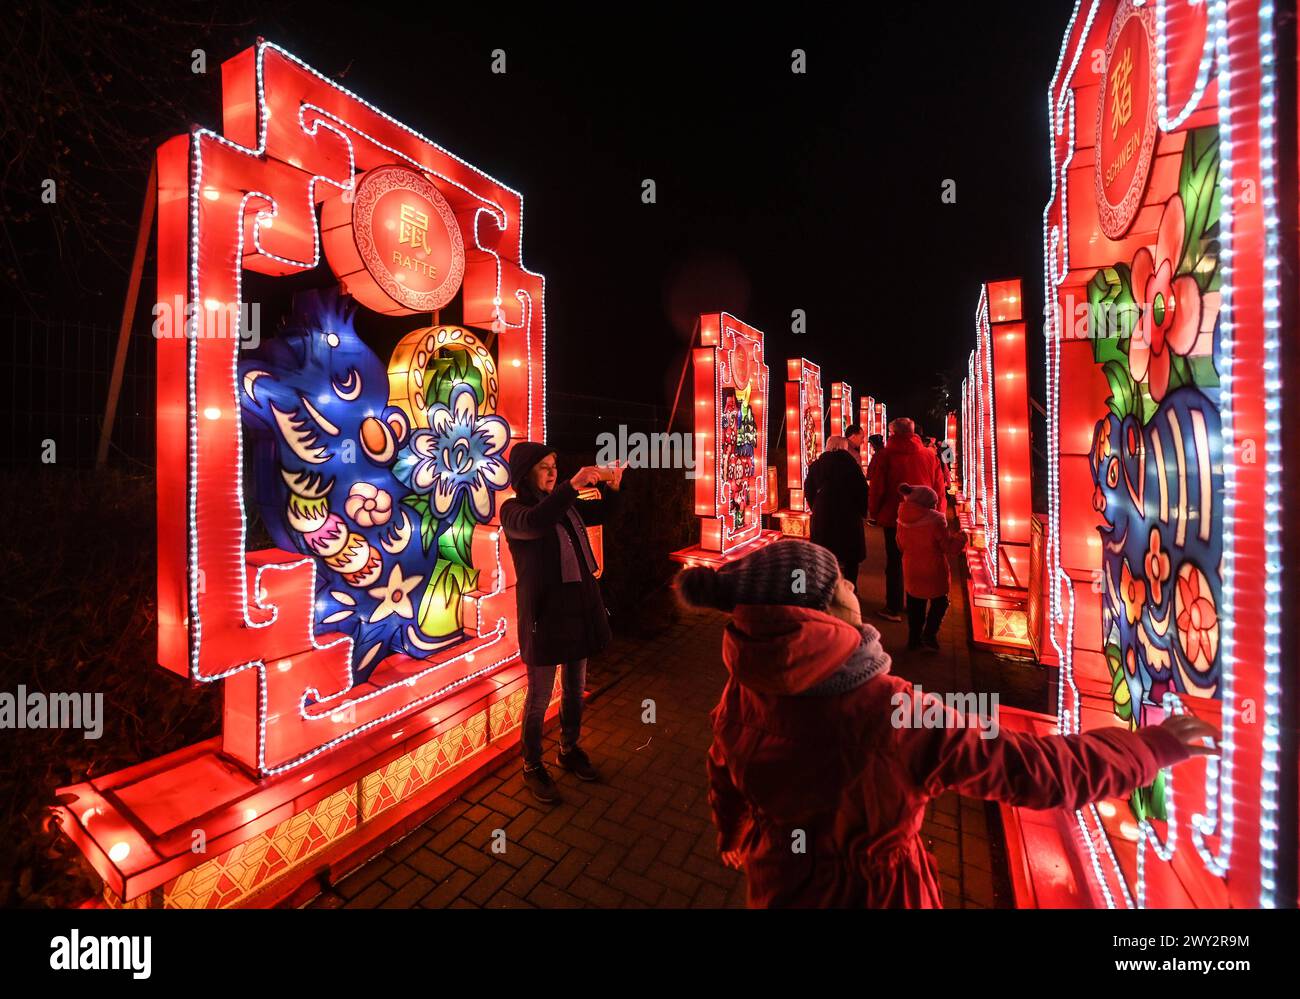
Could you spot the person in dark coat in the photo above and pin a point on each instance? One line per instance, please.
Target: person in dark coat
(836, 493)
(562, 617)
(816, 742)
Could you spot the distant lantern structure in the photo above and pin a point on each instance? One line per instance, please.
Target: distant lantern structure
(995, 491)
(867, 420)
(804, 439)
(841, 408)
(949, 456)
(732, 485)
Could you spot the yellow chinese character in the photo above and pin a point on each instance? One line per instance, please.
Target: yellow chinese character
(1121, 93)
(414, 228)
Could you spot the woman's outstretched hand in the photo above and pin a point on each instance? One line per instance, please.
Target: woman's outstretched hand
(1192, 733)
(586, 476)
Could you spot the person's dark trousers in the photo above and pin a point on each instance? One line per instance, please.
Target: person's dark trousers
(541, 680)
(893, 572)
(921, 624)
(849, 570)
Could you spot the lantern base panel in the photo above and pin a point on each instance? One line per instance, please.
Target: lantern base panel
(794, 523)
(697, 555)
(999, 615)
(193, 830)
(1048, 851)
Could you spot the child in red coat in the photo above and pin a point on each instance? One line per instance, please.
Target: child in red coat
(818, 779)
(924, 540)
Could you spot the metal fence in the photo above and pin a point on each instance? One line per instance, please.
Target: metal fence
(57, 374)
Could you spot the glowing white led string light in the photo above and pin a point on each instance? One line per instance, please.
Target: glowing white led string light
(1268, 826)
(1061, 120)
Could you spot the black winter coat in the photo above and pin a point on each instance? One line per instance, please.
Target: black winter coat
(836, 492)
(558, 622)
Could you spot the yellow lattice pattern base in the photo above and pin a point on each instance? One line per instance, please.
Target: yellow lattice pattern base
(1009, 626)
(230, 878)
(795, 526)
(508, 714)
(241, 870)
(148, 900)
(407, 774)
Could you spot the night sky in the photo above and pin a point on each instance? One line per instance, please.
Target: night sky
(775, 191)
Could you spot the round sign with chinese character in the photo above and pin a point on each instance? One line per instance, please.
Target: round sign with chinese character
(1126, 118)
(395, 244)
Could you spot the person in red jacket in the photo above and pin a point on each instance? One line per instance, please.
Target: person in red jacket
(904, 459)
(817, 782)
(926, 543)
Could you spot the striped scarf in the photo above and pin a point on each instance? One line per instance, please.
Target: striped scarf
(570, 570)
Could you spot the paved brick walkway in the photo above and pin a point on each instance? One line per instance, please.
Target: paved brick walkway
(643, 836)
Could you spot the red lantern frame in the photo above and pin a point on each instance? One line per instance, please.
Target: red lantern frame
(311, 744)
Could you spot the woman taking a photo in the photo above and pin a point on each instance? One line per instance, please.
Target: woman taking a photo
(562, 617)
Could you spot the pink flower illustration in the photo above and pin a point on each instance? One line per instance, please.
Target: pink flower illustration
(1198, 618)
(368, 505)
(1169, 307)
(1133, 592)
(1156, 565)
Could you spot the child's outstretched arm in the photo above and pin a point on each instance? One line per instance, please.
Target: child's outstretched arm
(1049, 771)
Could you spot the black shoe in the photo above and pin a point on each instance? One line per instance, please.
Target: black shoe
(913, 644)
(575, 761)
(539, 782)
(931, 644)
(889, 615)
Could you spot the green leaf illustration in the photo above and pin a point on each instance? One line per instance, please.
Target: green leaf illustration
(455, 542)
(428, 521)
(1149, 802)
(1112, 313)
(1198, 186)
(1123, 393)
(1203, 372)
(453, 367)
(1122, 704)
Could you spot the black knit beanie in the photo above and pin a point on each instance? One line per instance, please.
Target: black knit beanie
(790, 572)
(524, 456)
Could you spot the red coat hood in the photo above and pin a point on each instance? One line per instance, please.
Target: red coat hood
(914, 513)
(903, 441)
(774, 649)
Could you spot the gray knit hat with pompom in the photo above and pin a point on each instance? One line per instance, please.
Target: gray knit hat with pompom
(790, 572)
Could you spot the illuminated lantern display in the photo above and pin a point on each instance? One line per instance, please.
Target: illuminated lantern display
(1165, 460)
(867, 421)
(732, 485)
(841, 408)
(996, 490)
(772, 502)
(368, 662)
(950, 446)
(805, 436)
